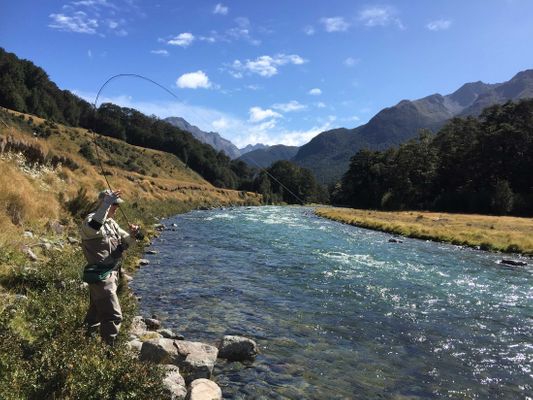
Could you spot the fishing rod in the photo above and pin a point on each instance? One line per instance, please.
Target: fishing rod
(138, 76)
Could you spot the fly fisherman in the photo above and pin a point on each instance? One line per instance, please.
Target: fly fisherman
(103, 242)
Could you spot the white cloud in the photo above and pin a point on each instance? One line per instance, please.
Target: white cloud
(220, 9)
(265, 66)
(335, 24)
(379, 16)
(78, 22)
(257, 114)
(320, 104)
(240, 131)
(315, 92)
(350, 61)
(309, 30)
(183, 39)
(160, 52)
(292, 105)
(439, 25)
(193, 80)
(112, 24)
(89, 53)
(94, 3)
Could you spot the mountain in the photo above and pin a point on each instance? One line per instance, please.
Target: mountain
(211, 138)
(252, 147)
(264, 157)
(328, 154)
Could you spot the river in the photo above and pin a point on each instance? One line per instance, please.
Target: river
(338, 311)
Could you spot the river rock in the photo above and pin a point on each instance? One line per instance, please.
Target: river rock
(175, 383)
(168, 334)
(138, 326)
(195, 359)
(513, 262)
(237, 348)
(152, 324)
(159, 227)
(143, 261)
(204, 389)
(135, 345)
(394, 240)
(72, 240)
(151, 251)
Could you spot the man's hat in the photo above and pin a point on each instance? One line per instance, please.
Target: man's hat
(108, 192)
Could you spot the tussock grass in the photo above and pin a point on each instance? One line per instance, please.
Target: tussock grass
(507, 234)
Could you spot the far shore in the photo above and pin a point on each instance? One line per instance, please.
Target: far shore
(485, 232)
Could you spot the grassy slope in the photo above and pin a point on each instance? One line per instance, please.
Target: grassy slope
(508, 234)
(43, 351)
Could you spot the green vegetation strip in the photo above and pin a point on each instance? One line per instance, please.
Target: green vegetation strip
(507, 234)
(44, 353)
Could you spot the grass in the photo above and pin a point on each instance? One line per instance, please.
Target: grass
(43, 351)
(506, 234)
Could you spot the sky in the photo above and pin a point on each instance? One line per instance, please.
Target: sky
(272, 72)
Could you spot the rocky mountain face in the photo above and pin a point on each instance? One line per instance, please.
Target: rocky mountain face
(211, 138)
(265, 156)
(328, 154)
(252, 147)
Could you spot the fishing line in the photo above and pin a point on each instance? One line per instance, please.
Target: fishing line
(178, 99)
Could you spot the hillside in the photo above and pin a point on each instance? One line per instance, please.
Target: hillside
(211, 138)
(50, 163)
(328, 154)
(264, 157)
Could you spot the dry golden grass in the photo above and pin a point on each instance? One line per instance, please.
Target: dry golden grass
(508, 234)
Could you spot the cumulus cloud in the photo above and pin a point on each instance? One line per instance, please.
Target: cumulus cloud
(258, 114)
(315, 92)
(193, 80)
(439, 25)
(320, 105)
(379, 16)
(78, 22)
(335, 24)
(183, 40)
(292, 105)
(265, 66)
(161, 52)
(220, 9)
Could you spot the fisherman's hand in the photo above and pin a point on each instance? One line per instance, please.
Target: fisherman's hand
(112, 197)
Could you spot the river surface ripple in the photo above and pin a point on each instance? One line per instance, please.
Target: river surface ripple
(339, 312)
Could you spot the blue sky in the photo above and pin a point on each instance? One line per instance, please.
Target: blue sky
(270, 71)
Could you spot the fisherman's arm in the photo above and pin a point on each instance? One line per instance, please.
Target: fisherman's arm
(99, 217)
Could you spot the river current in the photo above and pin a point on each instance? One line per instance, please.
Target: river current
(339, 312)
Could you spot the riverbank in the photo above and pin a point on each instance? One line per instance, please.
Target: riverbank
(506, 234)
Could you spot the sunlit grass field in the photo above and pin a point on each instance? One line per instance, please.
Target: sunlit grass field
(507, 234)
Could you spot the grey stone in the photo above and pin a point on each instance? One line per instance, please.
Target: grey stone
(175, 383)
(31, 255)
(237, 348)
(56, 227)
(513, 262)
(138, 327)
(143, 261)
(204, 389)
(159, 227)
(46, 246)
(28, 234)
(167, 333)
(135, 345)
(72, 240)
(151, 251)
(195, 359)
(152, 324)
(127, 277)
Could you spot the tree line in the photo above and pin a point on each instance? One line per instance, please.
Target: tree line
(473, 165)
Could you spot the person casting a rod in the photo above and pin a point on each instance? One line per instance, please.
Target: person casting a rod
(103, 241)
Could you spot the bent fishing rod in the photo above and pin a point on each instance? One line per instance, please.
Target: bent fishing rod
(95, 137)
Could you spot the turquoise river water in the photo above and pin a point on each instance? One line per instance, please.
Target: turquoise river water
(339, 312)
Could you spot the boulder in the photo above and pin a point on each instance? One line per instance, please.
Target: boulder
(152, 324)
(138, 327)
(517, 263)
(394, 240)
(151, 251)
(167, 333)
(237, 348)
(204, 389)
(195, 359)
(175, 383)
(135, 345)
(143, 261)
